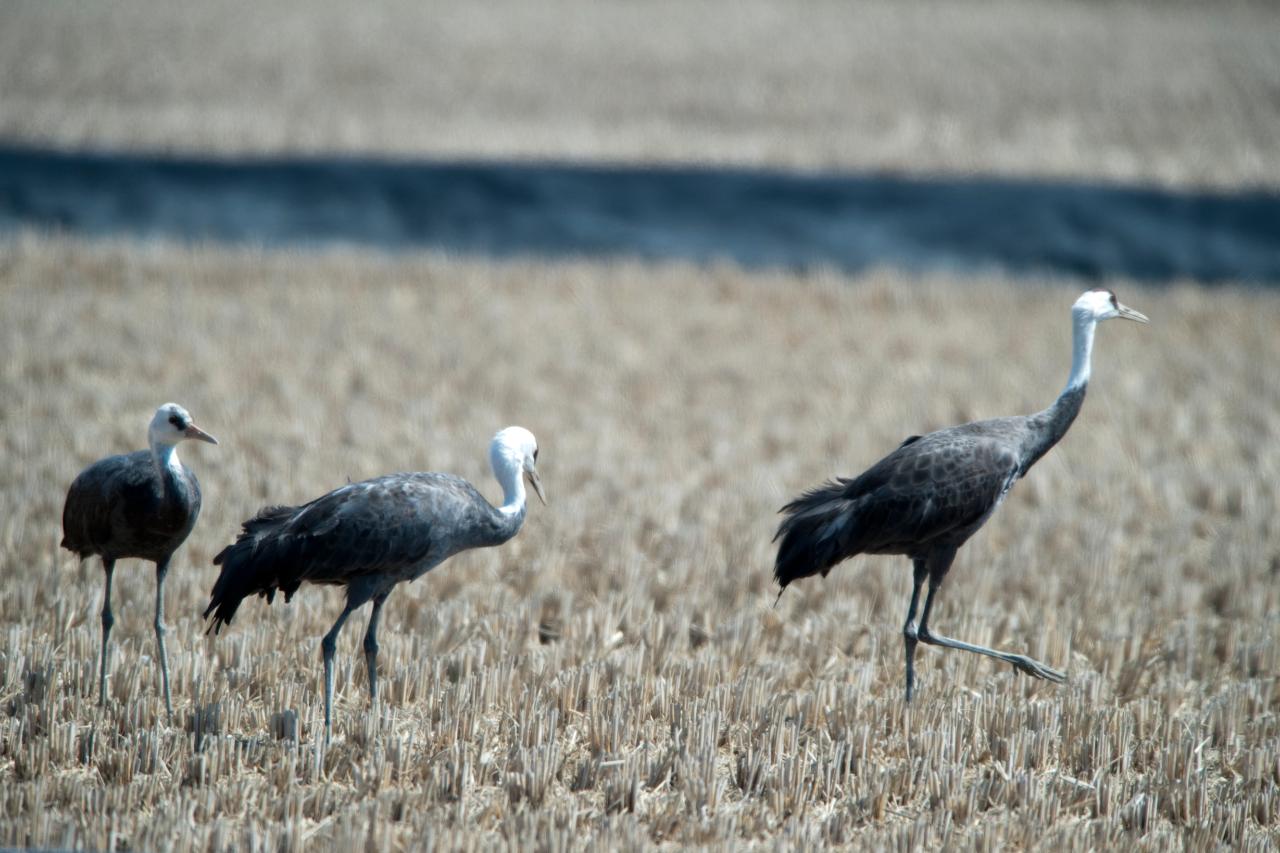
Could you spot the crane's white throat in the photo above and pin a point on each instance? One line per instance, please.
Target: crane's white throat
(1084, 326)
(513, 492)
(166, 457)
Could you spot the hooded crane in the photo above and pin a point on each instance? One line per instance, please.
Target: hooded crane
(370, 536)
(142, 505)
(925, 499)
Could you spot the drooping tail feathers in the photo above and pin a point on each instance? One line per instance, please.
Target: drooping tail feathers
(249, 566)
(818, 532)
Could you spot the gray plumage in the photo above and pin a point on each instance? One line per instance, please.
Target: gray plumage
(130, 506)
(933, 492)
(375, 533)
(926, 498)
(370, 536)
(141, 505)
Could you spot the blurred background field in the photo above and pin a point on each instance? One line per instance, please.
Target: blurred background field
(1166, 93)
(616, 676)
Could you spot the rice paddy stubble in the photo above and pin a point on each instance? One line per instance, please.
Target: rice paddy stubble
(615, 675)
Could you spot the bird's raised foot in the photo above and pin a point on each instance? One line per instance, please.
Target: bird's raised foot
(1036, 669)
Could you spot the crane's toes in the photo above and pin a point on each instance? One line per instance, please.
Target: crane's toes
(1038, 670)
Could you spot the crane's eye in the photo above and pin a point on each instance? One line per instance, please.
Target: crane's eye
(535, 454)
(176, 421)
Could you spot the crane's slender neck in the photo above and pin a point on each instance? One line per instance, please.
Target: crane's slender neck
(509, 516)
(1049, 426)
(513, 493)
(1083, 327)
(168, 466)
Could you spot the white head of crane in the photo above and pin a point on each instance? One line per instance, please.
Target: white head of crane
(1101, 304)
(513, 453)
(172, 424)
(1089, 310)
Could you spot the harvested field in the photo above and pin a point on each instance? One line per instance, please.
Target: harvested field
(617, 676)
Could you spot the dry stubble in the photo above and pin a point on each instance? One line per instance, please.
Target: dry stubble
(616, 674)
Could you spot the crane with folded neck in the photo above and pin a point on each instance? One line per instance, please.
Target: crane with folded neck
(926, 498)
(371, 536)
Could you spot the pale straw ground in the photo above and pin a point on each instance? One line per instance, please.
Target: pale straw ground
(617, 675)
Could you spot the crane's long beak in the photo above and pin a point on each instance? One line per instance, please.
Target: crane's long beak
(1129, 314)
(532, 476)
(193, 431)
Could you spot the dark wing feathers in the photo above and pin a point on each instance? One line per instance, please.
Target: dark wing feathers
(94, 505)
(932, 490)
(116, 507)
(385, 525)
(378, 525)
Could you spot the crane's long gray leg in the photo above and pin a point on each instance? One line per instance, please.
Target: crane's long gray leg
(327, 647)
(909, 635)
(108, 619)
(371, 645)
(1025, 664)
(162, 570)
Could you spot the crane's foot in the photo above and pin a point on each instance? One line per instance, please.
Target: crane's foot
(1022, 663)
(1035, 669)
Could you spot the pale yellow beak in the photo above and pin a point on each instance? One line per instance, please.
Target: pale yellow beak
(1129, 314)
(193, 431)
(534, 480)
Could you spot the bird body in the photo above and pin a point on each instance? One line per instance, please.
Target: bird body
(141, 505)
(131, 505)
(927, 497)
(934, 491)
(390, 529)
(370, 536)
